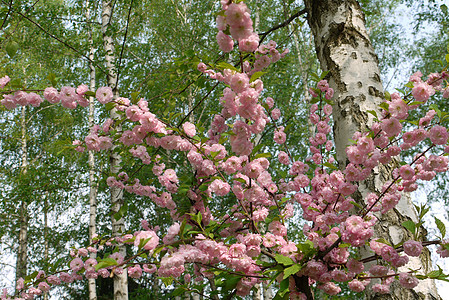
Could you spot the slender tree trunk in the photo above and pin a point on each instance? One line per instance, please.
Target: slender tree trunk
(118, 226)
(343, 47)
(46, 246)
(22, 256)
(92, 183)
(267, 291)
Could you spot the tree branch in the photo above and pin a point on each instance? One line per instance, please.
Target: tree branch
(59, 40)
(123, 44)
(285, 23)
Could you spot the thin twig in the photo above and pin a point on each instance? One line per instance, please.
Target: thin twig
(59, 40)
(7, 14)
(123, 44)
(283, 24)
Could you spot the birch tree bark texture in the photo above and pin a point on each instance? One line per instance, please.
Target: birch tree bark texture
(22, 251)
(118, 226)
(344, 49)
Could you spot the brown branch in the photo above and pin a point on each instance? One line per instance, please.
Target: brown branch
(7, 14)
(285, 23)
(59, 40)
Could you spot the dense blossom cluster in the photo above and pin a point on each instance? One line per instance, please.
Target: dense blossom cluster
(232, 169)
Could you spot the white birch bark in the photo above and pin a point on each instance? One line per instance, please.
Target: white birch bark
(22, 255)
(118, 226)
(92, 184)
(46, 246)
(344, 48)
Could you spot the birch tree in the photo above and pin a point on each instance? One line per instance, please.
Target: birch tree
(118, 223)
(344, 49)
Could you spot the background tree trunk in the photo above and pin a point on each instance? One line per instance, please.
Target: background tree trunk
(118, 226)
(92, 183)
(22, 255)
(344, 49)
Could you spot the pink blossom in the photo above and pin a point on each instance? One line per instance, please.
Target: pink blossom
(4, 81)
(239, 82)
(76, 264)
(407, 280)
(406, 172)
(277, 228)
(89, 264)
(104, 94)
(237, 15)
(438, 135)
(9, 101)
(221, 23)
(189, 129)
(391, 126)
(54, 280)
(381, 288)
(249, 44)
(446, 92)
(270, 102)
(313, 93)
(280, 136)
(422, 91)
(20, 284)
(224, 42)
(356, 286)
(144, 235)
(260, 214)
(322, 85)
(135, 271)
(82, 89)
(329, 93)
(276, 114)
(283, 158)
(219, 187)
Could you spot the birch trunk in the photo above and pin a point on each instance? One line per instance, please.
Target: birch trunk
(92, 183)
(22, 256)
(46, 246)
(343, 47)
(118, 226)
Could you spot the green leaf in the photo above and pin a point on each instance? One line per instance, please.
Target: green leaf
(262, 155)
(443, 8)
(214, 153)
(383, 241)
(373, 112)
(223, 65)
(356, 204)
(231, 282)
(384, 105)
(330, 166)
(178, 292)
(283, 260)
(291, 270)
(256, 76)
(415, 103)
(324, 74)
(434, 274)
(410, 84)
(441, 227)
(410, 225)
(52, 78)
(118, 215)
(105, 262)
(167, 280)
(11, 48)
(283, 290)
